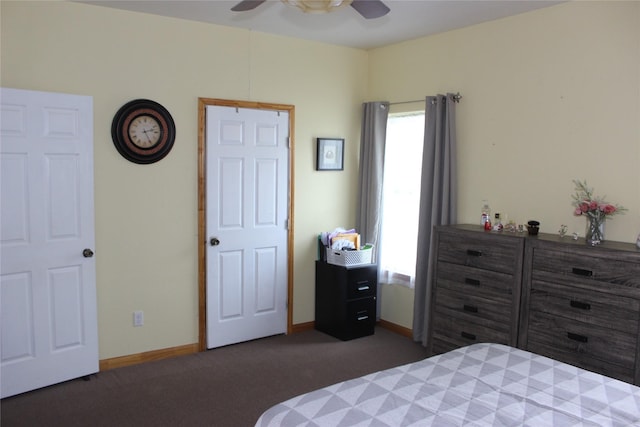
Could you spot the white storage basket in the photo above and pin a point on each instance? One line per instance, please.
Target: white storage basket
(349, 258)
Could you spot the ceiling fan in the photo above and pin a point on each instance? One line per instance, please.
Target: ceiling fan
(369, 9)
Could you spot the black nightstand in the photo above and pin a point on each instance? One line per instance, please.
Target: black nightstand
(346, 300)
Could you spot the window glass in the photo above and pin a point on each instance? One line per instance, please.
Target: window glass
(401, 198)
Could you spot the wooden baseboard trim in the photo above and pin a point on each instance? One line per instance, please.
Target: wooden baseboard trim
(302, 327)
(167, 353)
(148, 356)
(396, 328)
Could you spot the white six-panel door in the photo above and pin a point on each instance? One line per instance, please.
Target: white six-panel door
(247, 207)
(47, 269)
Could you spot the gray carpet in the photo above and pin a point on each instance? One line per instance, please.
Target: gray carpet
(229, 386)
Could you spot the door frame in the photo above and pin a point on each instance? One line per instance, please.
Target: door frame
(202, 206)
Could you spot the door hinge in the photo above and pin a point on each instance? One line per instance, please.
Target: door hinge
(286, 224)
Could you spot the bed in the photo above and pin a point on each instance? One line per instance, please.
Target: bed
(479, 385)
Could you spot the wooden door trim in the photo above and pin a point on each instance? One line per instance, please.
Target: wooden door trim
(202, 206)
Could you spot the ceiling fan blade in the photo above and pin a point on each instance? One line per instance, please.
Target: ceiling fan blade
(370, 9)
(245, 5)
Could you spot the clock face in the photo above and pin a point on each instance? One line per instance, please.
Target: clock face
(143, 131)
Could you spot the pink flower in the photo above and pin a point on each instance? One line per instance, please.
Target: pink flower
(585, 203)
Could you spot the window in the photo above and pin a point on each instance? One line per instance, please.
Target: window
(401, 198)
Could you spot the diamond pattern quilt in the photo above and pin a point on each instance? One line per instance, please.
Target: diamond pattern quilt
(479, 385)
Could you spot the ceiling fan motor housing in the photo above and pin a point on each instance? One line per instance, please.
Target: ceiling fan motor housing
(369, 9)
(318, 6)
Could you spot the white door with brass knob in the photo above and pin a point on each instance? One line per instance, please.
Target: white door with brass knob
(247, 209)
(48, 277)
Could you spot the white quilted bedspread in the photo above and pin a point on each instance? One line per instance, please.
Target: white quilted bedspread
(479, 385)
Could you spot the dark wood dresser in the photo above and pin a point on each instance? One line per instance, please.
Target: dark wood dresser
(476, 294)
(346, 300)
(581, 304)
(578, 304)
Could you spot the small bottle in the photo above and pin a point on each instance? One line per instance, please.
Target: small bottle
(497, 225)
(486, 213)
(487, 224)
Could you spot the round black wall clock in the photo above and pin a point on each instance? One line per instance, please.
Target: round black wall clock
(143, 131)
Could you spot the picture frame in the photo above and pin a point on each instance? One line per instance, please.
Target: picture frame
(330, 154)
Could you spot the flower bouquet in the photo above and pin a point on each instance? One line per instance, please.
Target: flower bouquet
(596, 210)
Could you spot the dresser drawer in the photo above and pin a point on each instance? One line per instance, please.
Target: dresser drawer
(361, 282)
(489, 252)
(494, 313)
(578, 265)
(458, 333)
(474, 280)
(582, 344)
(590, 307)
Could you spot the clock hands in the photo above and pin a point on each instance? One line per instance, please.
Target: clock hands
(146, 134)
(152, 130)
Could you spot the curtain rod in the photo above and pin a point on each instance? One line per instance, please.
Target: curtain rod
(456, 98)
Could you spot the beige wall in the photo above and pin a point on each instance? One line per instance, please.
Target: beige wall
(146, 215)
(548, 97)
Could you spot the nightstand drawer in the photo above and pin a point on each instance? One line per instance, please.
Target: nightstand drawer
(361, 282)
(595, 308)
(361, 318)
(489, 252)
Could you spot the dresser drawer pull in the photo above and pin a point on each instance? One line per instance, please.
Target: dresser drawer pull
(470, 308)
(474, 282)
(363, 286)
(472, 252)
(582, 272)
(580, 305)
(577, 337)
(467, 335)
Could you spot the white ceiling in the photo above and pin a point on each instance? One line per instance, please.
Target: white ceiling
(408, 19)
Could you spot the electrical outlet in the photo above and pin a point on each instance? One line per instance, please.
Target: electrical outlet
(138, 318)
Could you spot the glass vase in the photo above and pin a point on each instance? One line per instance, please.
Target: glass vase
(594, 233)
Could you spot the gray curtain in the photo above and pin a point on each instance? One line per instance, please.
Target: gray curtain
(437, 199)
(369, 208)
(372, 141)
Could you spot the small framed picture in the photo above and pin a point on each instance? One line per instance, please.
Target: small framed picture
(330, 155)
